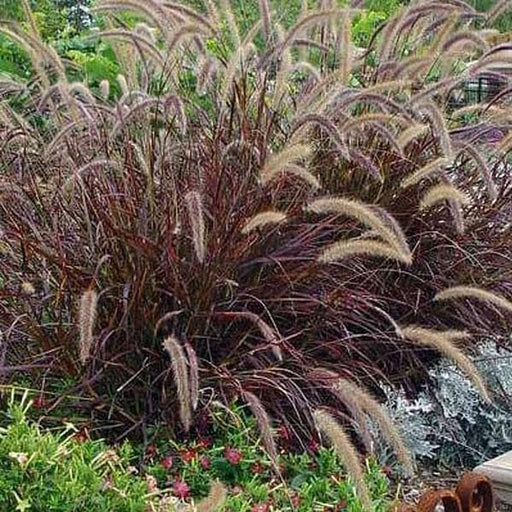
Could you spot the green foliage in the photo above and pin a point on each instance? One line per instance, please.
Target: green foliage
(52, 471)
(63, 471)
(308, 480)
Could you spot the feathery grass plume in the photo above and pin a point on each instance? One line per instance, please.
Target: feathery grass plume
(86, 321)
(305, 22)
(442, 192)
(295, 170)
(471, 292)
(327, 125)
(105, 89)
(264, 423)
(193, 373)
(289, 155)
(439, 128)
(411, 133)
(141, 43)
(498, 10)
(426, 171)
(151, 9)
(465, 36)
(364, 161)
(79, 173)
(191, 13)
(285, 67)
(181, 378)
(225, 7)
(123, 84)
(379, 414)
(213, 12)
(506, 144)
(263, 219)
(360, 121)
(329, 379)
(215, 499)
(444, 344)
(363, 213)
(346, 452)
(346, 54)
(483, 170)
(236, 60)
(266, 18)
(194, 204)
(372, 248)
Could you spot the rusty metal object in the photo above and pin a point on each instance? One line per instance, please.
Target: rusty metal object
(474, 493)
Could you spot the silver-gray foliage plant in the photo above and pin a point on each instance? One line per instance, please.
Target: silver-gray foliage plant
(448, 421)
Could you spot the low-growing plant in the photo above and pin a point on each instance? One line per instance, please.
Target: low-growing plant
(282, 231)
(448, 423)
(63, 470)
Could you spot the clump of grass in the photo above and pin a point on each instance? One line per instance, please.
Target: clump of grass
(171, 198)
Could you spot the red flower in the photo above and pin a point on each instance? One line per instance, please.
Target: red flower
(233, 456)
(180, 489)
(261, 507)
(39, 402)
(205, 443)
(314, 446)
(167, 462)
(205, 462)
(188, 456)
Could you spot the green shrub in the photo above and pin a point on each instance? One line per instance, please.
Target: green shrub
(43, 471)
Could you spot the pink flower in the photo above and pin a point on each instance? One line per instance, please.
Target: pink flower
(233, 456)
(205, 443)
(205, 462)
(188, 456)
(180, 489)
(314, 446)
(167, 462)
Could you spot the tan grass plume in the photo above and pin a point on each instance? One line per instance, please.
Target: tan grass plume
(194, 204)
(424, 172)
(295, 170)
(440, 193)
(264, 219)
(444, 343)
(471, 292)
(288, 155)
(215, 499)
(264, 424)
(86, 321)
(346, 451)
(181, 378)
(363, 213)
(373, 248)
(379, 414)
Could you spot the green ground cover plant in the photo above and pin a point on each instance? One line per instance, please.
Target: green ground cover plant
(262, 216)
(63, 470)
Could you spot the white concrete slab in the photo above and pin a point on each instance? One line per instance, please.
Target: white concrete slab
(499, 470)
